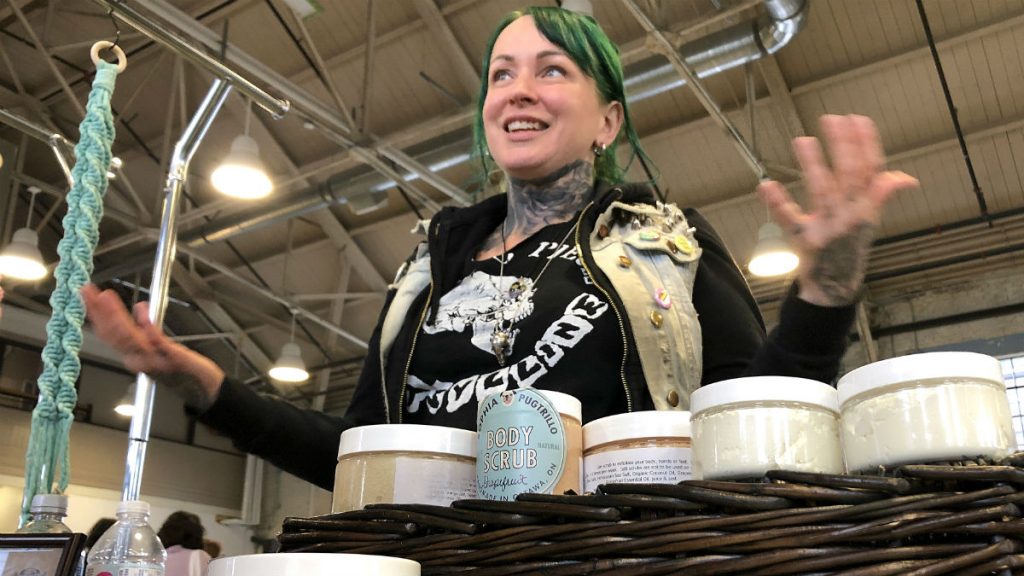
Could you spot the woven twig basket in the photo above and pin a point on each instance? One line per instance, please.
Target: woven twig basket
(922, 520)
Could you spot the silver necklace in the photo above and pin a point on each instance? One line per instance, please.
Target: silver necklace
(501, 337)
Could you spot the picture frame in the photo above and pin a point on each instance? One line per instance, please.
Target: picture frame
(40, 554)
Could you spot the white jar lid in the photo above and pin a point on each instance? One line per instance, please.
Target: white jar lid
(631, 425)
(310, 564)
(565, 403)
(764, 389)
(408, 438)
(925, 366)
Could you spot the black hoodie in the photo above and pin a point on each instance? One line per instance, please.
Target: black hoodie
(808, 342)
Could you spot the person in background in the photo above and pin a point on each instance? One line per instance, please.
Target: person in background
(182, 536)
(212, 548)
(571, 279)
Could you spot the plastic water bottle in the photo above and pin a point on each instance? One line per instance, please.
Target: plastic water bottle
(48, 512)
(130, 547)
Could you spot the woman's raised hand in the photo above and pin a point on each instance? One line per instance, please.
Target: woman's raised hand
(145, 348)
(834, 239)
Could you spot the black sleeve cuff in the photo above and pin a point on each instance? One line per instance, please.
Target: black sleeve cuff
(807, 328)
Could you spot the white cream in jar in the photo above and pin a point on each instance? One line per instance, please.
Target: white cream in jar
(744, 427)
(637, 447)
(404, 464)
(923, 408)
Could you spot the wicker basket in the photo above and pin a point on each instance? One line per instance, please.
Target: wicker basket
(923, 520)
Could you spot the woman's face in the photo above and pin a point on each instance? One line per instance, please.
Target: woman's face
(541, 111)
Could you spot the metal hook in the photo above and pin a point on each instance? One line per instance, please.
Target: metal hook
(117, 28)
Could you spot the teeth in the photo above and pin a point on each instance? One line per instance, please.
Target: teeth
(517, 125)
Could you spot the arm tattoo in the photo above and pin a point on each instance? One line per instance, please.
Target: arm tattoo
(841, 264)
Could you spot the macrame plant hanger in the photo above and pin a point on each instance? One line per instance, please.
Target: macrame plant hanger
(52, 417)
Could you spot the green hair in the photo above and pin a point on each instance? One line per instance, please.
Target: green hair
(590, 48)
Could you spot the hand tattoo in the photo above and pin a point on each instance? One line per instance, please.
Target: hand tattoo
(840, 265)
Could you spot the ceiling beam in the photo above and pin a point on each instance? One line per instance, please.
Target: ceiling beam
(456, 56)
(782, 100)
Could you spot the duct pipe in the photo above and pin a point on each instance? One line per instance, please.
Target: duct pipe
(145, 388)
(726, 49)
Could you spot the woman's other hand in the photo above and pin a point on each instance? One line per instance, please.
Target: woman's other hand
(145, 348)
(834, 239)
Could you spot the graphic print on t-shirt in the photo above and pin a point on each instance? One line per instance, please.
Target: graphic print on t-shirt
(560, 334)
(482, 301)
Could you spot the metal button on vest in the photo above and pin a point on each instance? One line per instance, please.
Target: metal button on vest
(672, 246)
(673, 398)
(625, 261)
(656, 318)
(602, 232)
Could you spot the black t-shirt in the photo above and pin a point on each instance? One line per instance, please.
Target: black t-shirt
(563, 336)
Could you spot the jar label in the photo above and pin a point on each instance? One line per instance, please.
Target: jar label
(637, 465)
(438, 482)
(521, 445)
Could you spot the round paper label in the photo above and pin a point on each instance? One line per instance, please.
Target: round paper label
(520, 446)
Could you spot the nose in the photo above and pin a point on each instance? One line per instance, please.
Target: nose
(523, 90)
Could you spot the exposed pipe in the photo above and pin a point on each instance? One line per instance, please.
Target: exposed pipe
(145, 388)
(723, 50)
(165, 36)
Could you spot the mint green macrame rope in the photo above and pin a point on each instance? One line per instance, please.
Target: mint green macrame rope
(53, 415)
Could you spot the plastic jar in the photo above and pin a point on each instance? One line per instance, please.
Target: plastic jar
(744, 427)
(312, 564)
(529, 441)
(404, 464)
(651, 446)
(921, 408)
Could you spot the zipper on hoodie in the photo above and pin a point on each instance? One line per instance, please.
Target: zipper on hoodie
(611, 302)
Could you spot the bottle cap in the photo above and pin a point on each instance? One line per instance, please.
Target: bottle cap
(133, 507)
(50, 504)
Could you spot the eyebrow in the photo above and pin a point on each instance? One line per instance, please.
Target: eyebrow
(540, 56)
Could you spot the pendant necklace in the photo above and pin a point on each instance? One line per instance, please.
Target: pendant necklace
(501, 337)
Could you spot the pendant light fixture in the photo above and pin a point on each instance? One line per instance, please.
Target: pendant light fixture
(126, 405)
(289, 366)
(772, 255)
(241, 174)
(21, 258)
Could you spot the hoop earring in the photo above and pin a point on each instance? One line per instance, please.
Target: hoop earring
(598, 149)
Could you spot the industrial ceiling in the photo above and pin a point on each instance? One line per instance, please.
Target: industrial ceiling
(383, 90)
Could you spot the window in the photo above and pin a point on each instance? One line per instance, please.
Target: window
(1013, 375)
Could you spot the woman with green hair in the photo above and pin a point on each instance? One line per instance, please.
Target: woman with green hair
(571, 280)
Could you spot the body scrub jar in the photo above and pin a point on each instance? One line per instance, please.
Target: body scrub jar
(529, 441)
(404, 464)
(637, 447)
(924, 408)
(744, 427)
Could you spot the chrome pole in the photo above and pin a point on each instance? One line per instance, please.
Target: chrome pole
(52, 139)
(171, 39)
(145, 389)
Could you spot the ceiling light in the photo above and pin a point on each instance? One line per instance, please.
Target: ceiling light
(772, 256)
(241, 174)
(21, 258)
(126, 405)
(289, 366)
